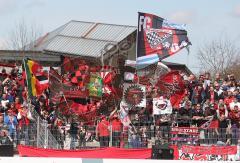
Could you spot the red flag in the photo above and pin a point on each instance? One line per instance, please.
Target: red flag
(37, 69)
(42, 83)
(78, 109)
(176, 99)
(172, 84)
(108, 78)
(87, 112)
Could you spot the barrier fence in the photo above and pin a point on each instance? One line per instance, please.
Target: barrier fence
(41, 134)
(36, 133)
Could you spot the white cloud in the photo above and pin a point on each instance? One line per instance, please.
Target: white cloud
(182, 17)
(8, 6)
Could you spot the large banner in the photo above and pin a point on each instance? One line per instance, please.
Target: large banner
(206, 150)
(209, 153)
(120, 153)
(72, 91)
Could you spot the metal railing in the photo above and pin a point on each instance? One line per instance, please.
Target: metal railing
(40, 134)
(36, 133)
(43, 135)
(137, 137)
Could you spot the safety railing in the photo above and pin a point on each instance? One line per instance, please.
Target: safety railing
(41, 134)
(36, 133)
(44, 137)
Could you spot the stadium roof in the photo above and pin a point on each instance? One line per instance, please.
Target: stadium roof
(178, 66)
(81, 38)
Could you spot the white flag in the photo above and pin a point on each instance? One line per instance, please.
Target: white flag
(161, 106)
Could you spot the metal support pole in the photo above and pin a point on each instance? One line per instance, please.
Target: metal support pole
(45, 135)
(38, 129)
(111, 136)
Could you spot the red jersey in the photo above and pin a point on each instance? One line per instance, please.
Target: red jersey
(103, 128)
(116, 125)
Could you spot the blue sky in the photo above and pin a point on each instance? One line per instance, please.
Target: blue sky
(206, 20)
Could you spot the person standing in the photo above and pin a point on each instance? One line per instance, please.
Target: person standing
(103, 132)
(24, 117)
(82, 137)
(11, 121)
(73, 133)
(117, 127)
(222, 114)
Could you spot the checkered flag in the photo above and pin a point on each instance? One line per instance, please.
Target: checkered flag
(153, 38)
(159, 40)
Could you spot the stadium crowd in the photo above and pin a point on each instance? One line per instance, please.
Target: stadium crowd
(214, 100)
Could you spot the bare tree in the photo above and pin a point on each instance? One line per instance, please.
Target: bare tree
(23, 36)
(234, 69)
(218, 56)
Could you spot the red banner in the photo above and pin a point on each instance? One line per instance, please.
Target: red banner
(210, 150)
(119, 153)
(185, 130)
(75, 93)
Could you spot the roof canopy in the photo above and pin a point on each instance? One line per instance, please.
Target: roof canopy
(82, 38)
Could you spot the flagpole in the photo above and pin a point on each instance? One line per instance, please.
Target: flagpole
(137, 40)
(137, 49)
(63, 95)
(65, 100)
(24, 64)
